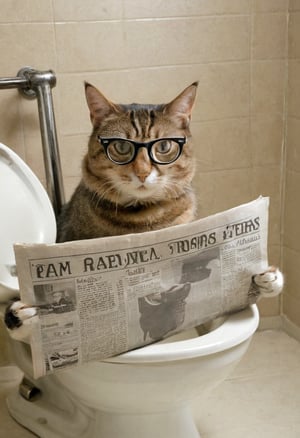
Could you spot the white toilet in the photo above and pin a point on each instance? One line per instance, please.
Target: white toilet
(145, 393)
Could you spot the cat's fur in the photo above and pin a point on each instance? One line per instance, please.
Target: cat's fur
(141, 196)
(116, 199)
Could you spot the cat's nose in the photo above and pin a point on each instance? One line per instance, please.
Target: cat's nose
(142, 176)
(142, 166)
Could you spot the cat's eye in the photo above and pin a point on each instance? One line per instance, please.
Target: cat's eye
(163, 146)
(165, 151)
(160, 151)
(120, 150)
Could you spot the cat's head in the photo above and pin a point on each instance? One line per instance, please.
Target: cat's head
(127, 172)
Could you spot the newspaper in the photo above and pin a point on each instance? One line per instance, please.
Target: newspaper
(98, 298)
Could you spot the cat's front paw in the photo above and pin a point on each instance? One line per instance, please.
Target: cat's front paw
(268, 283)
(19, 319)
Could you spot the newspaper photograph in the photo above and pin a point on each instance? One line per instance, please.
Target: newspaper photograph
(101, 297)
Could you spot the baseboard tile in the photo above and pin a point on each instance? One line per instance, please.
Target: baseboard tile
(290, 328)
(270, 323)
(280, 322)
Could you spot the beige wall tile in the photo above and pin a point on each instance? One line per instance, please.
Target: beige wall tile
(220, 190)
(275, 255)
(294, 35)
(26, 45)
(223, 91)
(294, 5)
(267, 136)
(216, 97)
(222, 144)
(267, 182)
(70, 183)
(204, 186)
(11, 127)
(269, 36)
(177, 8)
(72, 150)
(268, 86)
(269, 306)
(291, 271)
(269, 5)
(292, 211)
(221, 39)
(294, 88)
(30, 117)
(34, 156)
(272, 306)
(92, 10)
(89, 46)
(26, 11)
(291, 298)
(293, 144)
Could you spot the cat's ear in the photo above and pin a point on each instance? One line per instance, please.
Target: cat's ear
(183, 104)
(99, 106)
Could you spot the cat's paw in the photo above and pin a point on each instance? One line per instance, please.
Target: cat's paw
(268, 283)
(19, 319)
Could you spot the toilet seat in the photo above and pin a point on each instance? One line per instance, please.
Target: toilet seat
(26, 216)
(222, 338)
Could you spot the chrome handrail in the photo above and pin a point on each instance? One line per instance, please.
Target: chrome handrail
(37, 84)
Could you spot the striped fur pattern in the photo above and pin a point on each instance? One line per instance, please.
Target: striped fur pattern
(114, 199)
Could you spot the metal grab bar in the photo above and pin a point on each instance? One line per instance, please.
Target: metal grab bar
(37, 84)
(13, 82)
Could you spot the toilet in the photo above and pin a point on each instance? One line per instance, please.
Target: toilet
(144, 393)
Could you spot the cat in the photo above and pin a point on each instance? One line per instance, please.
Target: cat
(136, 177)
(140, 195)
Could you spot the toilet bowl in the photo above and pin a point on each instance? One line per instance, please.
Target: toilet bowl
(145, 393)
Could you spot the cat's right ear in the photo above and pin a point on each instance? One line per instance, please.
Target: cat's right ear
(99, 106)
(181, 107)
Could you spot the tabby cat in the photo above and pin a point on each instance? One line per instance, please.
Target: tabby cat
(138, 171)
(136, 177)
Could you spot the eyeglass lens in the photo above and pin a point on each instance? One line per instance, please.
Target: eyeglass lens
(162, 151)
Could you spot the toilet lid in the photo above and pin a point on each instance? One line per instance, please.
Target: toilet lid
(26, 215)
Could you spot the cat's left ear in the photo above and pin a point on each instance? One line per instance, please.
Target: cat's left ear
(183, 104)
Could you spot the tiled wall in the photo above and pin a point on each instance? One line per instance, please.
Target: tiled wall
(291, 302)
(149, 51)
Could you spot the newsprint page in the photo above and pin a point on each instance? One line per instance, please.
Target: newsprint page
(98, 298)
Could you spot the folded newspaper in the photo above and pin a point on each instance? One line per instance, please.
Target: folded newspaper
(98, 298)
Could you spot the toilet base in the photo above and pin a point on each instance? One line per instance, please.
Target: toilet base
(175, 424)
(46, 420)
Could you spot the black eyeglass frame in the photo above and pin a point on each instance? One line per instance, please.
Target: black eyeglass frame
(105, 142)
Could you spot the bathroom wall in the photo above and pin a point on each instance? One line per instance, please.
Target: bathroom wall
(291, 301)
(149, 51)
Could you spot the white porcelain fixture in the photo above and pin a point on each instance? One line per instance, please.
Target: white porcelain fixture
(144, 393)
(26, 215)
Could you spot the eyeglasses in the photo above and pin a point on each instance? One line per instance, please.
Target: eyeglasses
(160, 151)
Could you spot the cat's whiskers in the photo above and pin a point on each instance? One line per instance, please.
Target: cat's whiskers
(106, 190)
(173, 188)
